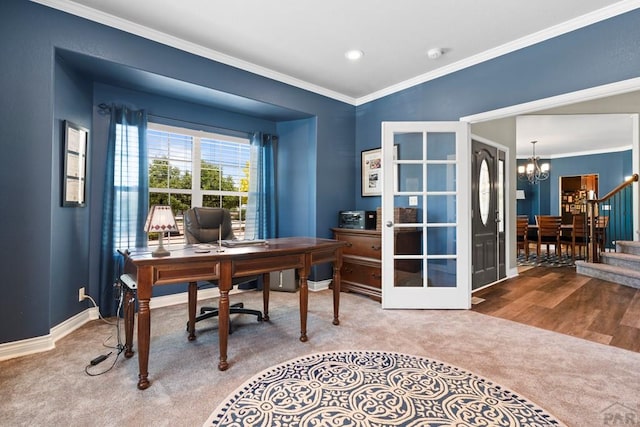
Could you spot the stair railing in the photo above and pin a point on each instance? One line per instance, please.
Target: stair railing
(610, 219)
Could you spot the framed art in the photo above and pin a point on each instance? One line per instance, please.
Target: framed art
(372, 171)
(75, 165)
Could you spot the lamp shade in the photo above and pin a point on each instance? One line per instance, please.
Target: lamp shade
(160, 220)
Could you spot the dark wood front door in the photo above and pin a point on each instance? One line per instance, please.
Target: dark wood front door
(484, 204)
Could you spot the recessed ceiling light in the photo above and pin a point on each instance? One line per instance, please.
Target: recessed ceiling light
(354, 55)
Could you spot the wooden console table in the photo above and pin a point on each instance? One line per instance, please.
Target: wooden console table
(185, 265)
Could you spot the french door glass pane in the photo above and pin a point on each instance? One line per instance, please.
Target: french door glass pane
(441, 273)
(441, 177)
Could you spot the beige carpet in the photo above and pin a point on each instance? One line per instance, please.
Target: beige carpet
(579, 382)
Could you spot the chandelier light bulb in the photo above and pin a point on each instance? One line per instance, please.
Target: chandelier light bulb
(533, 171)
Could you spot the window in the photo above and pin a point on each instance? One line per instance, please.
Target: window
(190, 168)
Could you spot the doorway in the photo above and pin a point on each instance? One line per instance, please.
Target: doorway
(574, 193)
(499, 125)
(487, 207)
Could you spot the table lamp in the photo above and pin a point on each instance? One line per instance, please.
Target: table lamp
(160, 220)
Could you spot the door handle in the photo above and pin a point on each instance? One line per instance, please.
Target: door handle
(389, 224)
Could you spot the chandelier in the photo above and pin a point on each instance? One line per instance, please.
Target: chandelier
(533, 171)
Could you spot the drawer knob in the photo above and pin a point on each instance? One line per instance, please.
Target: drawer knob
(349, 244)
(376, 276)
(376, 248)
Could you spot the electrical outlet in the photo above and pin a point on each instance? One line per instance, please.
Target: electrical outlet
(81, 294)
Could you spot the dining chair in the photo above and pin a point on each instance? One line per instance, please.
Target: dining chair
(209, 225)
(549, 230)
(578, 236)
(522, 226)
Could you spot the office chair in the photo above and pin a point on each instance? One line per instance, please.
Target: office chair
(208, 225)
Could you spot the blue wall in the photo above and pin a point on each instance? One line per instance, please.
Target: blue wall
(542, 198)
(578, 60)
(50, 251)
(72, 96)
(611, 169)
(296, 177)
(537, 196)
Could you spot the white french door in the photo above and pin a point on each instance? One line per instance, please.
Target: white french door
(429, 177)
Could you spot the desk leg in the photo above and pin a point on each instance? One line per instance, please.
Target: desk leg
(144, 331)
(144, 325)
(193, 298)
(337, 265)
(224, 284)
(266, 288)
(304, 303)
(129, 312)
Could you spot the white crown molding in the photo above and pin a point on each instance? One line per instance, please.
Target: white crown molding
(546, 34)
(611, 89)
(148, 33)
(196, 49)
(582, 153)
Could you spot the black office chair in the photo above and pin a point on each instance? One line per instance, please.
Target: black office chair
(207, 225)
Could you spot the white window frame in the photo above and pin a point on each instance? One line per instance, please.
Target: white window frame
(195, 191)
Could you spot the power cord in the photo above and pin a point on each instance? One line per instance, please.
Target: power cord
(119, 347)
(86, 296)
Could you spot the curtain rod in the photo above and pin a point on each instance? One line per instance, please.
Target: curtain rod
(217, 128)
(233, 132)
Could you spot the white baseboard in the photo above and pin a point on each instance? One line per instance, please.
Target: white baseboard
(47, 342)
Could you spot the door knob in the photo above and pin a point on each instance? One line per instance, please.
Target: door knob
(389, 224)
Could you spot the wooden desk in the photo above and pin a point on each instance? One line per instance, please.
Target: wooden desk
(185, 265)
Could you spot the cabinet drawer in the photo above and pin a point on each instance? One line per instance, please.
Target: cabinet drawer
(364, 246)
(362, 273)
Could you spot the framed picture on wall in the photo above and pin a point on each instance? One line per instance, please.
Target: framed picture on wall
(371, 167)
(75, 165)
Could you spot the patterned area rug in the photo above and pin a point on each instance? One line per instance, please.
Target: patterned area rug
(545, 260)
(372, 388)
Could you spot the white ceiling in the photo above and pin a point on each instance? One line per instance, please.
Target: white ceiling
(303, 42)
(571, 134)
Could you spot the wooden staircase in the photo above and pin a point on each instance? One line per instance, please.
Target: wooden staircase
(622, 266)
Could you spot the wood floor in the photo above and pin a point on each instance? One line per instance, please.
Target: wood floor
(558, 299)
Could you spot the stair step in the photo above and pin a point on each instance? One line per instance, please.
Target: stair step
(619, 259)
(611, 273)
(628, 247)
